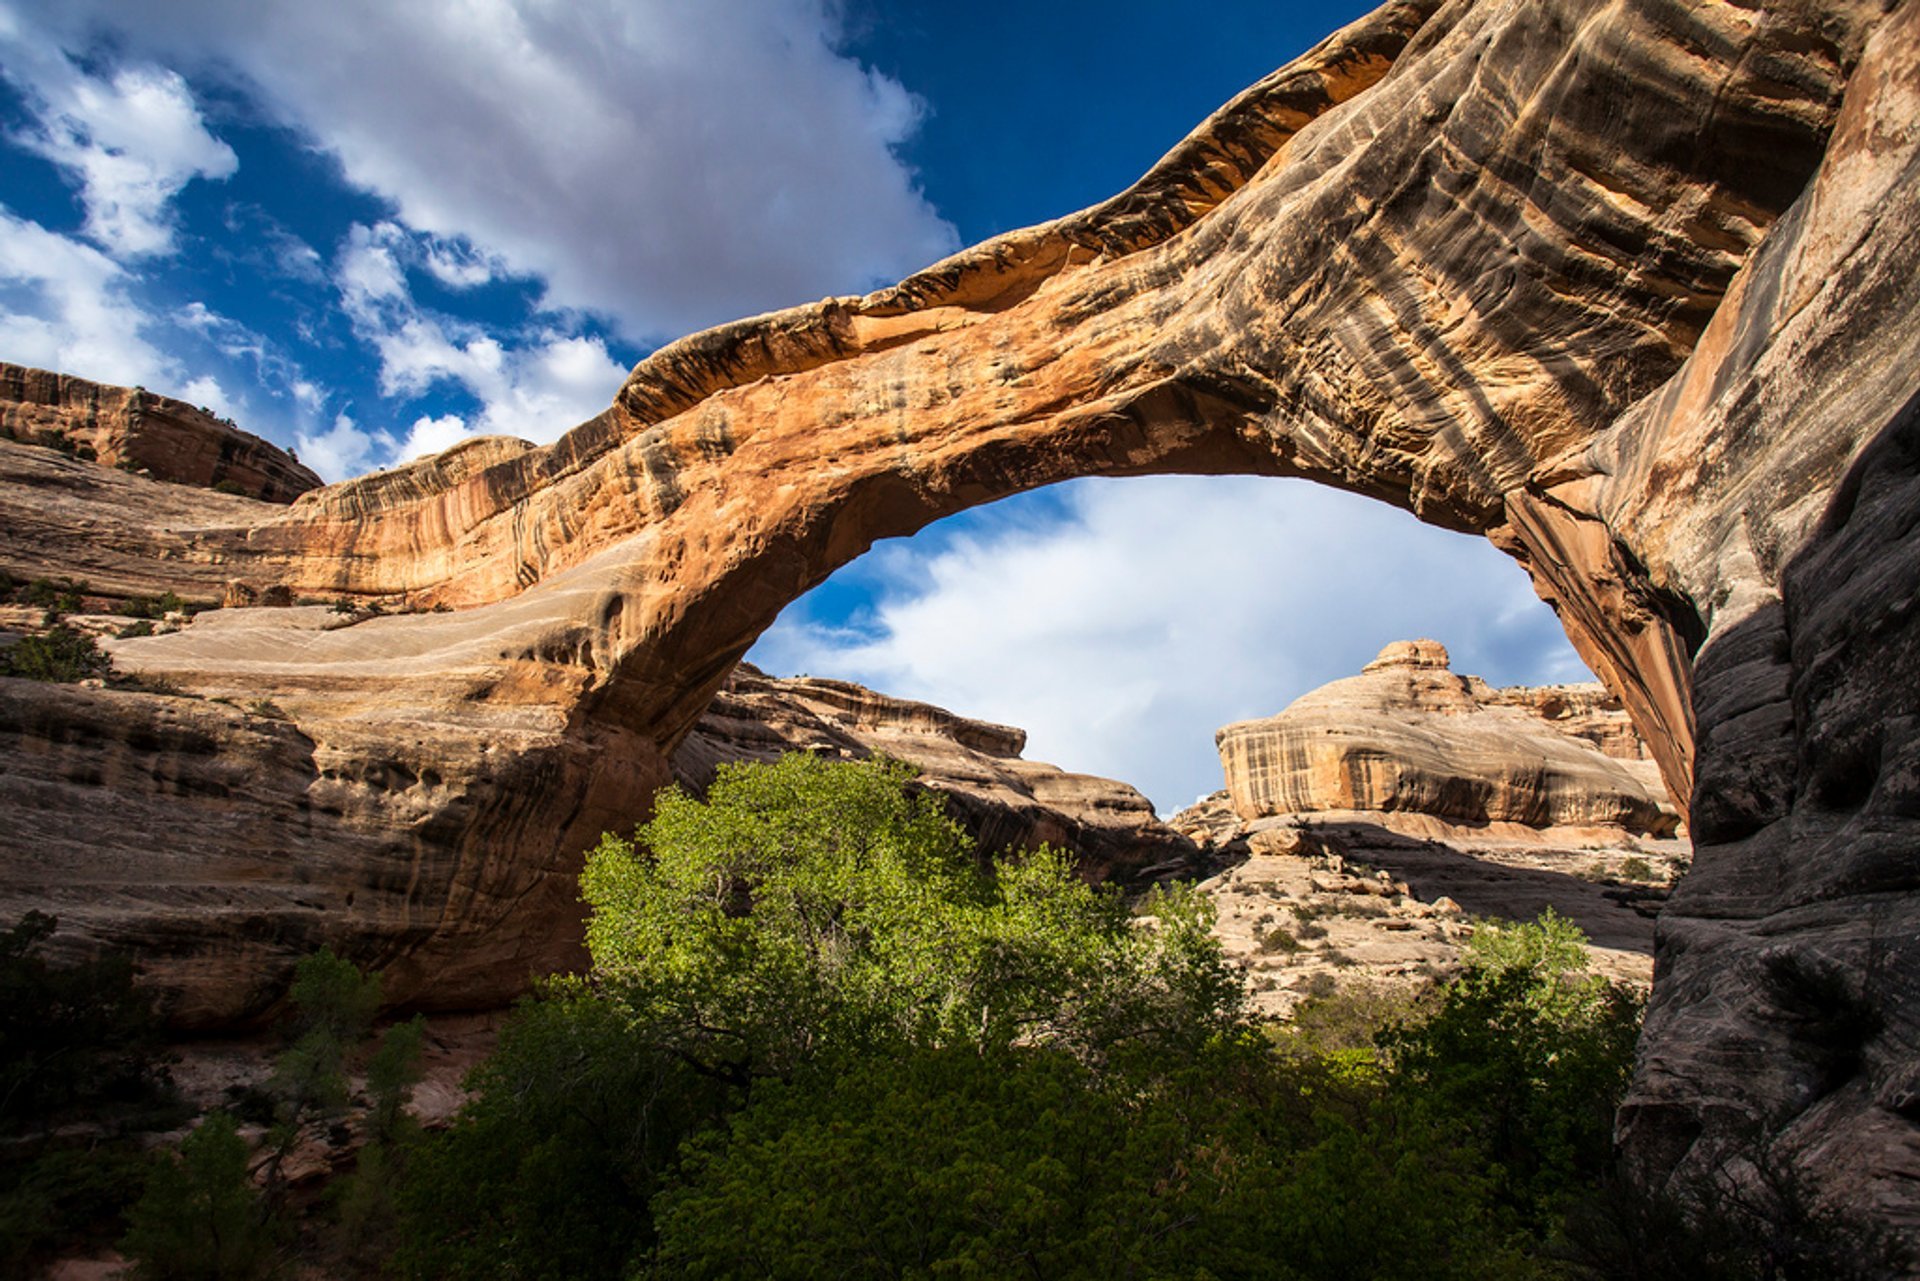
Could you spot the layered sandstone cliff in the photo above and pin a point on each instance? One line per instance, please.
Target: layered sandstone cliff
(136, 430)
(1408, 734)
(1633, 290)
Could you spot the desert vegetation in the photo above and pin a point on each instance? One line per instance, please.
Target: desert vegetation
(822, 1035)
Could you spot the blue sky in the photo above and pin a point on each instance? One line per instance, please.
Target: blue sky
(367, 230)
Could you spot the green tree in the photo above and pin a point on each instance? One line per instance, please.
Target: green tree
(574, 1124)
(333, 1008)
(812, 904)
(79, 1035)
(1527, 1057)
(201, 1218)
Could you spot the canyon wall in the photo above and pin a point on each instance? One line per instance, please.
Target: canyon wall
(1630, 289)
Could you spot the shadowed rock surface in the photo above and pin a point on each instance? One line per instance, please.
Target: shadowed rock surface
(1631, 289)
(1409, 734)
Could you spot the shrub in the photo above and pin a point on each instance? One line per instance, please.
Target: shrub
(65, 1198)
(201, 1216)
(1528, 1055)
(61, 597)
(60, 654)
(133, 630)
(1278, 939)
(154, 606)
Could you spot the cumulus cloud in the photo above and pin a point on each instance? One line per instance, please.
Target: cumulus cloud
(66, 306)
(535, 385)
(665, 164)
(1157, 610)
(131, 139)
(343, 450)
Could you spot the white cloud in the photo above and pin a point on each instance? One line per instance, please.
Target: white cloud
(342, 450)
(66, 306)
(544, 383)
(431, 435)
(670, 165)
(131, 140)
(207, 392)
(1158, 610)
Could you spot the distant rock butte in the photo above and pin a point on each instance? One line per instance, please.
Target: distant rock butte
(1631, 290)
(1003, 801)
(1365, 827)
(132, 428)
(1408, 734)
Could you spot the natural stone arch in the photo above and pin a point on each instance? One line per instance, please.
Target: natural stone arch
(1628, 288)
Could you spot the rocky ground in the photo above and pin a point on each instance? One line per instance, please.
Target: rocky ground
(1306, 902)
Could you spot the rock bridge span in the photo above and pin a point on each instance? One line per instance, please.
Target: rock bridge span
(1627, 287)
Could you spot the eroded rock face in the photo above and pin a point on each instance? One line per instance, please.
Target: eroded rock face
(132, 428)
(1005, 802)
(1409, 734)
(1629, 289)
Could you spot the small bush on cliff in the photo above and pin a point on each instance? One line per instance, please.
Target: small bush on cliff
(60, 654)
(62, 596)
(153, 606)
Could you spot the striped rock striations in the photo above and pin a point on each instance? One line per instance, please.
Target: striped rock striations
(1630, 289)
(1407, 734)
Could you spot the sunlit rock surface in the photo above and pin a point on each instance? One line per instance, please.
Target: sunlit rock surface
(1633, 290)
(1410, 734)
(135, 429)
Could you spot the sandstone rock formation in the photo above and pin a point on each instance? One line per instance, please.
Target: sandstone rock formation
(1408, 734)
(134, 429)
(1362, 828)
(1633, 290)
(1003, 801)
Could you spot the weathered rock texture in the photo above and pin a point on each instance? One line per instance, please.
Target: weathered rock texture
(1387, 897)
(132, 428)
(1632, 289)
(1409, 734)
(1364, 827)
(1005, 802)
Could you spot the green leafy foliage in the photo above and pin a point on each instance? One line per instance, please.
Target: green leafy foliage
(812, 904)
(153, 606)
(64, 1197)
(59, 654)
(823, 1037)
(62, 596)
(1526, 1057)
(201, 1218)
(574, 1124)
